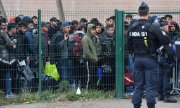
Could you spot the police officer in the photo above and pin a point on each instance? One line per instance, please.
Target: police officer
(166, 62)
(143, 41)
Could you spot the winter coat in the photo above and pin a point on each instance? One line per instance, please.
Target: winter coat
(6, 49)
(89, 49)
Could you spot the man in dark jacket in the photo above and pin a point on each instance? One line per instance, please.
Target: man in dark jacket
(108, 57)
(21, 53)
(22, 56)
(35, 22)
(3, 26)
(166, 65)
(45, 41)
(108, 41)
(173, 30)
(11, 32)
(53, 28)
(30, 43)
(6, 62)
(60, 44)
(11, 28)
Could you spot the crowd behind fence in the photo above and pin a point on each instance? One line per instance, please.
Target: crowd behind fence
(60, 60)
(63, 57)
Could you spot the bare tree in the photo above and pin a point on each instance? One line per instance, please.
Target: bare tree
(60, 9)
(2, 12)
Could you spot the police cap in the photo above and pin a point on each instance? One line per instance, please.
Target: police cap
(143, 6)
(163, 23)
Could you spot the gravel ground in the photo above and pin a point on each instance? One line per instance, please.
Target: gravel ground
(113, 103)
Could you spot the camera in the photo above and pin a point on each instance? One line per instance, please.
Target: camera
(35, 32)
(80, 33)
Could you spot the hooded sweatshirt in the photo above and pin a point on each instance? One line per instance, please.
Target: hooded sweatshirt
(89, 49)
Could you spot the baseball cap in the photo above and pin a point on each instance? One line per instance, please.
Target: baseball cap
(54, 19)
(143, 6)
(11, 25)
(11, 19)
(65, 23)
(163, 23)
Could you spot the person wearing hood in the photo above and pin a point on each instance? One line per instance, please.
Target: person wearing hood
(89, 53)
(89, 50)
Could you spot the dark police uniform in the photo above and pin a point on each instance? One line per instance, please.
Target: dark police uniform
(166, 63)
(143, 41)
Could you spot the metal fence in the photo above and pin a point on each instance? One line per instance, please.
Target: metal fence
(106, 74)
(175, 74)
(38, 65)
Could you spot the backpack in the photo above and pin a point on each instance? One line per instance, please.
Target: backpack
(78, 49)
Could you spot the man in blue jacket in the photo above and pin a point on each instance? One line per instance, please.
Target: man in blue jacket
(30, 44)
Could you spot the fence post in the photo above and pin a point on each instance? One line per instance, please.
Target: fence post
(119, 53)
(39, 52)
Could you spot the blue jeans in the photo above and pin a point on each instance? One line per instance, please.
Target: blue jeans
(131, 63)
(146, 72)
(174, 48)
(8, 83)
(66, 70)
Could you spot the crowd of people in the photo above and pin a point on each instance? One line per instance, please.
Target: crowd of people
(83, 51)
(152, 50)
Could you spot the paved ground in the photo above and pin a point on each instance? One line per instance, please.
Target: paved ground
(115, 103)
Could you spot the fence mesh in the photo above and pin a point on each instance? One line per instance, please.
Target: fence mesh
(78, 72)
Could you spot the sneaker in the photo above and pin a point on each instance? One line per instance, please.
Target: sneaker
(9, 96)
(170, 100)
(132, 93)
